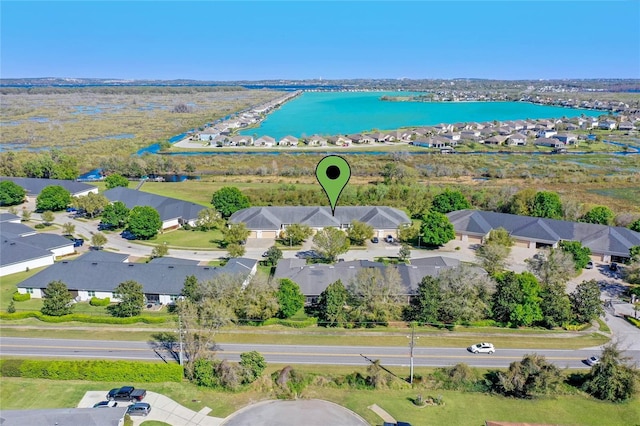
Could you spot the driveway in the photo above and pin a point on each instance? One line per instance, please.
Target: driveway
(163, 409)
(307, 412)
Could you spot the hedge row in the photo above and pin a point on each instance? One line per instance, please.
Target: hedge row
(95, 370)
(20, 297)
(95, 301)
(292, 323)
(82, 318)
(633, 320)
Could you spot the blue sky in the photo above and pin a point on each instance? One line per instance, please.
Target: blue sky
(243, 40)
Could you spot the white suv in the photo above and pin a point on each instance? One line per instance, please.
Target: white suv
(482, 347)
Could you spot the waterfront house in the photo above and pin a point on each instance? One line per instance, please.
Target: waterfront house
(265, 141)
(452, 136)
(400, 135)
(550, 142)
(607, 125)
(495, 140)
(517, 139)
(361, 139)
(546, 133)
(566, 138)
(208, 134)
(242, 140)
(288, 141)
(339, 140)
(316, 140)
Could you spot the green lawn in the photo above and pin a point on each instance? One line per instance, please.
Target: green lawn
(460, 408)
(180, 238)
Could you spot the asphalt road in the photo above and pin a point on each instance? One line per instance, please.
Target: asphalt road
(293, 354)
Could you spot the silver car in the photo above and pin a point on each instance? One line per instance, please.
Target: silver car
(482, 348)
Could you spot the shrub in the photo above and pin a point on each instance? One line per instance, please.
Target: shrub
(83, 318)
(95, 301)
(40, 226)
(21, 297)
(96, 370)
(633, 320)
(308, 322)
(12, 307)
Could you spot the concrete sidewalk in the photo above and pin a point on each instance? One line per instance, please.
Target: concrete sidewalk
(162, 409)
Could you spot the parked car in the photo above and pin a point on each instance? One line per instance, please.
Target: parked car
(589, 265)
(613, 266)
(482, 348)
(78, 242)
(389, 238)
(126, 393)
(375, 240)
(593, 360)
(105, 404)
(139, 409)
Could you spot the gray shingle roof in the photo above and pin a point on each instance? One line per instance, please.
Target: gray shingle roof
(20, 243)
(34, 186)
(14, 251)
(603, 239)
(64, 417)
(314, 279)
(270, 218)
(168, 208)
(14, 230)
(103, 272)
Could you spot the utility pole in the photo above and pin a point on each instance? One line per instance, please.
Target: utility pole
(411, 345)
(180, 334)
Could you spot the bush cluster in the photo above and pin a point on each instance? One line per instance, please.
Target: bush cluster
(20, 297)
(95, 370)
(307, 322)
(633, 320)
(96, 301)
(82, 318)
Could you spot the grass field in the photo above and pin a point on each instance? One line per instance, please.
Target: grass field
(179, 239)
(459, 408)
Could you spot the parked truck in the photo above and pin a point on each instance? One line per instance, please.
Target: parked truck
(126, 393)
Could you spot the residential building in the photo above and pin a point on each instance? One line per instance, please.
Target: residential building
(34, 186)
(607, 243)
(162, 280)
(269, 222)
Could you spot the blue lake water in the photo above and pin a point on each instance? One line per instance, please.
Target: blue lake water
(334, 113)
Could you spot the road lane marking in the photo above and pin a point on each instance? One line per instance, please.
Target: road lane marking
(317, 354)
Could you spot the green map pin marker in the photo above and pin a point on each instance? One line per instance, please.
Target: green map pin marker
(333, 173)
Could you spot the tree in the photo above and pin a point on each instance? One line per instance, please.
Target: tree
(98, 240)
(58, 300)
(612, 379)
(531, 376)
(436, 229)
(274, 254)
(501, 237)
(522, 202)
(191, 290)
(235, 250)
(330, 242)
(581, 255)
(556, 306)
(131, 297)
(209, 219)
(449, 201)
(552, 266)
(91, 204)
(159, 250)
(331, 305)
(376, 298)
(359, 232)
(599, 214)
(547, 204)
(236, 233)
(635, 226)
(11, 193)
(404, 253)
(409, 234)
(290, 298)
(493, 257)
(54, 198)
(26, 215)
(253, 365)
(115, 215)
(585, 302)
(465, 294)
(47, 217)
(424, 304)
(296, 233)
(115, 180)
(144, 222)
(634, 253)
(68, 228)
(516, 301)
(259, 301)
(228, 200)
